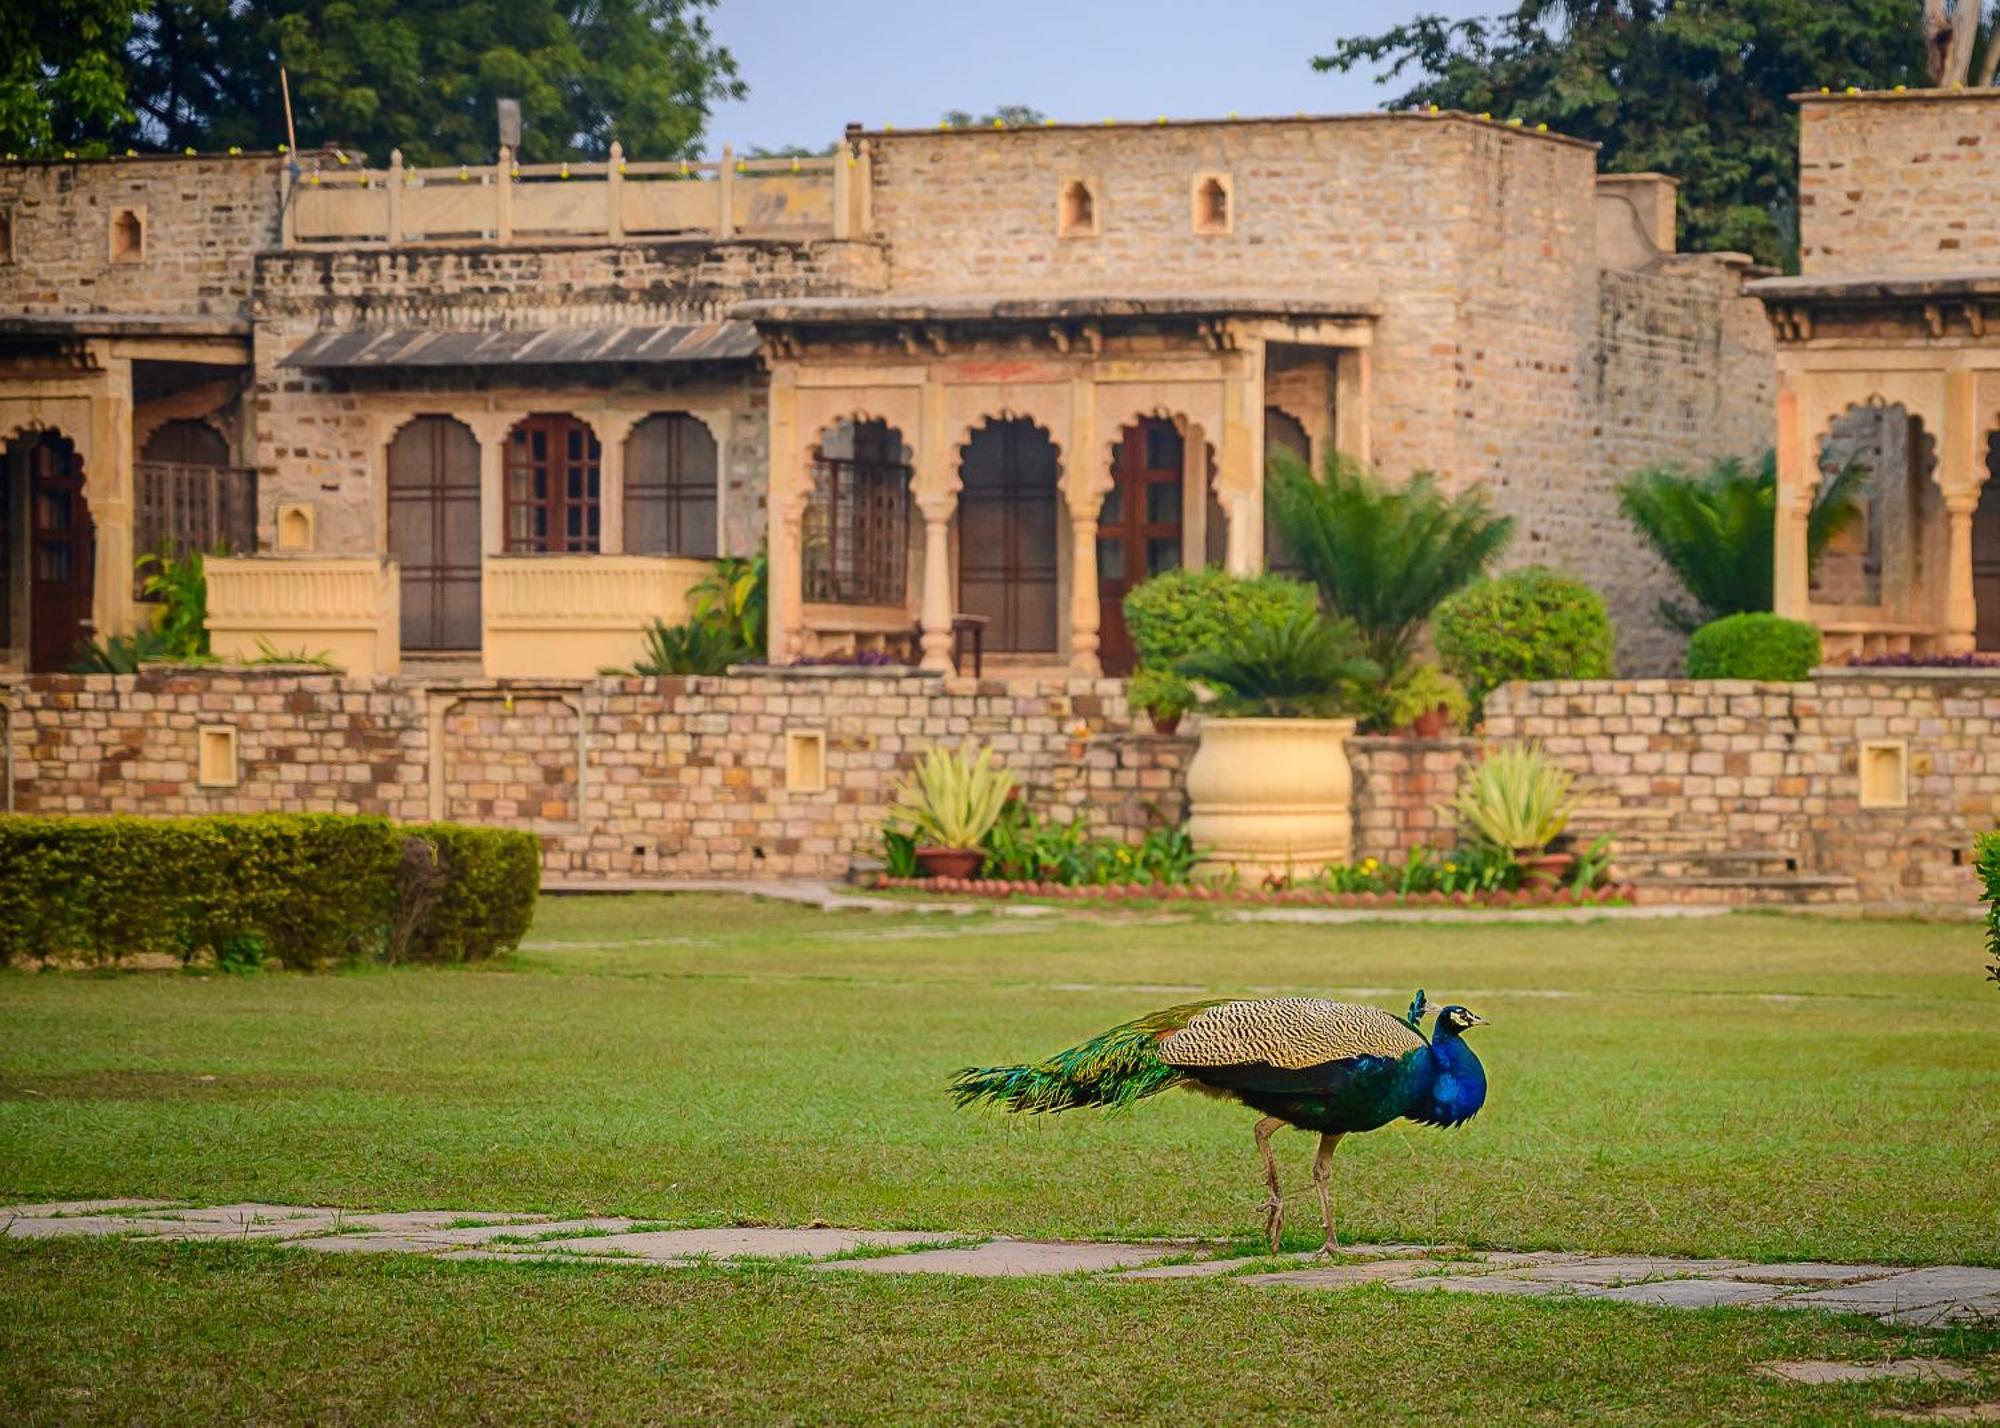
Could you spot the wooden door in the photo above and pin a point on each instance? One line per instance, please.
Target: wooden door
(434, 533)
(61, 551)
(1007, 522)
(1139, 528)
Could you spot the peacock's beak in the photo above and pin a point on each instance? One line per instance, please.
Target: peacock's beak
(1473, 1018)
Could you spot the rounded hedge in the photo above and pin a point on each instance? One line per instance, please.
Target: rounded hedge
(1526, 624)
(1184, 612)
(1753, 646)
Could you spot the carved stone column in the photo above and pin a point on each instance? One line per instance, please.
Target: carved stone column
(1961, 609)
(1798, 479)
(1084, 484)
(937, 611)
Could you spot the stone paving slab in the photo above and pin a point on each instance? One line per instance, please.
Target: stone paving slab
(1342, 1276)
(1621, 1269)
(738, 1242)
(52, 1208)
(1689, 1293)
(1911, 1289)
(1008, 1258)
(431, 1241)
(1481, 1284)
(1812, 1272)
(1818, 1371)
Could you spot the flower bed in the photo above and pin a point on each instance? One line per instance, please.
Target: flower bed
(1609, 894)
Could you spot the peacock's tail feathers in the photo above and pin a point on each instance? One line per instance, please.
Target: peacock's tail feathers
(1114, 1070)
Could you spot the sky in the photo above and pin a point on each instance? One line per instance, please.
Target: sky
(815, 65)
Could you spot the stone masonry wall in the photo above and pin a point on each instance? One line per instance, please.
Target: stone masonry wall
(1731, 766)
(321, 437)
(204, 220)
(1903, 184)
(680, 777)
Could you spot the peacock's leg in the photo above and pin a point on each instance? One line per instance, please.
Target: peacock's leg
(1274, 1208)
(1322, 1170)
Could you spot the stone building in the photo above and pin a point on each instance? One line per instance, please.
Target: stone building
(1889, 356)
(494, 419)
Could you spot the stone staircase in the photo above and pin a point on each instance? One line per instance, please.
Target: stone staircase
(1669, 858)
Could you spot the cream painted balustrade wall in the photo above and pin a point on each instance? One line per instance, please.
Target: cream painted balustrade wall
(345, 608)
(571, 616)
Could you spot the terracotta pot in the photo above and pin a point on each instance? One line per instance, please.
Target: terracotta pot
(950, 862)
(1271, 797)
(1431, 723)
(1548, 870)
(1165, 725)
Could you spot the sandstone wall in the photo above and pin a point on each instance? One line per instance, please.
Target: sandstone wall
(1730, 766)
(203, 220)
(322, 437)
(1902, 184)
(683, 777)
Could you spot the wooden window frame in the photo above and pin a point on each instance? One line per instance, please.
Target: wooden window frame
(674, 489)
(556, 503)
(859, 511)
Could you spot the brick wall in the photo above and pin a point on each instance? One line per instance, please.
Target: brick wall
(203, 220)
(1730, 766)
(1899, 183)
(1403, 790)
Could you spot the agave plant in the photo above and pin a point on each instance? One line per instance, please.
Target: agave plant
(1515, 800)
(1717, 530)
(950, 800)
(1306, 666)
(1382, 556)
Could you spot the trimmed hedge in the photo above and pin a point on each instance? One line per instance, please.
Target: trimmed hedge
(303, 889)
(1753, 646)
(1184, 612)
(1526, 624)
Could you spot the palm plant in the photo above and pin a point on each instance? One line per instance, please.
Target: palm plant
(1307, 666)
(951, 801)
(1717, 530)
(1382, 556)
(703, 647)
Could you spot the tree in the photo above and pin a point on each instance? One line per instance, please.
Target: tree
(1005, 116)
(1717, 531)
(62, 86)
(1951, 39)
(422, 75)
(1699, 89)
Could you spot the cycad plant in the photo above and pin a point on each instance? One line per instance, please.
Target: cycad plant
(702, 647)
(1717, 530)
(1383, 556)
(950, 800)
(1306, 666)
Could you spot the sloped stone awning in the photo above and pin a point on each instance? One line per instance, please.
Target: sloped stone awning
(392, 348)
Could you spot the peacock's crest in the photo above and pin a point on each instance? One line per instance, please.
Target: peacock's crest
(1414, 1019)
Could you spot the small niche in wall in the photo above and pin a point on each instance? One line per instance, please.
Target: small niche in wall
(1214, 203)
(805, 761)
(1885, 774)
(296, 527)
(216, 761)
(6, 236)
(1076, 209)
(128, 235)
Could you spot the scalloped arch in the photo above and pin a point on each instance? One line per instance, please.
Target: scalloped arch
(970, 429)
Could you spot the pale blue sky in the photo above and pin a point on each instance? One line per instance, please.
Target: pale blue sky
(813, 65)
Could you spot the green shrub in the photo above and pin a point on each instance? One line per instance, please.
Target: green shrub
(1420, 689)
(1753, 646)
(1986, 851)
(1186, 612)
(1526, 624)
(1160, 693)
(302, 889)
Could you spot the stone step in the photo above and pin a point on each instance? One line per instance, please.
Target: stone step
(1652, 863)
(1753, 890)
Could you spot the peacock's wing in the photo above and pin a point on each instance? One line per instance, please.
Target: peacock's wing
(1286, 1034)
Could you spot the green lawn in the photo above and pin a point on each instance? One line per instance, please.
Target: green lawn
(1754, 1086)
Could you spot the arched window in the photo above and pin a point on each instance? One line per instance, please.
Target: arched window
(189, 496)
(857, 519)
(670, 487)
(1008, 518)
(1211, 204)
(552, 482)
(1875, 563)
(434, 532)
(1077, 216)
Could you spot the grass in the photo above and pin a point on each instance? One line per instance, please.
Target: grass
(1746, 1086)
(213, 1333)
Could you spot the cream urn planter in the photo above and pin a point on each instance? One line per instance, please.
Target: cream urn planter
(1271, 797)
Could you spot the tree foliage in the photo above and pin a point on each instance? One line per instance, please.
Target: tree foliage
(419, 75)
(1717, 530)
(1699, 89)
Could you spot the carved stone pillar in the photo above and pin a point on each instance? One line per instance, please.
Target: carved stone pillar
(1084, 613)
(1797, 480)
(937, 611)
(1961, 609)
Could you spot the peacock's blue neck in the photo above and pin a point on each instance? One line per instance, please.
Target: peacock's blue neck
(1458, 1081)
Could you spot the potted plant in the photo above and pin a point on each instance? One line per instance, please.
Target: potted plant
(1425, 701)
(947, 807)
(1269, 787)
(1164, 696)
(1517, 801)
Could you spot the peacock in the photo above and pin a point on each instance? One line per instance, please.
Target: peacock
(1319, 1065)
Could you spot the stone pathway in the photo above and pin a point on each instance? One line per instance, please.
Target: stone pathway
(1926, 1297)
